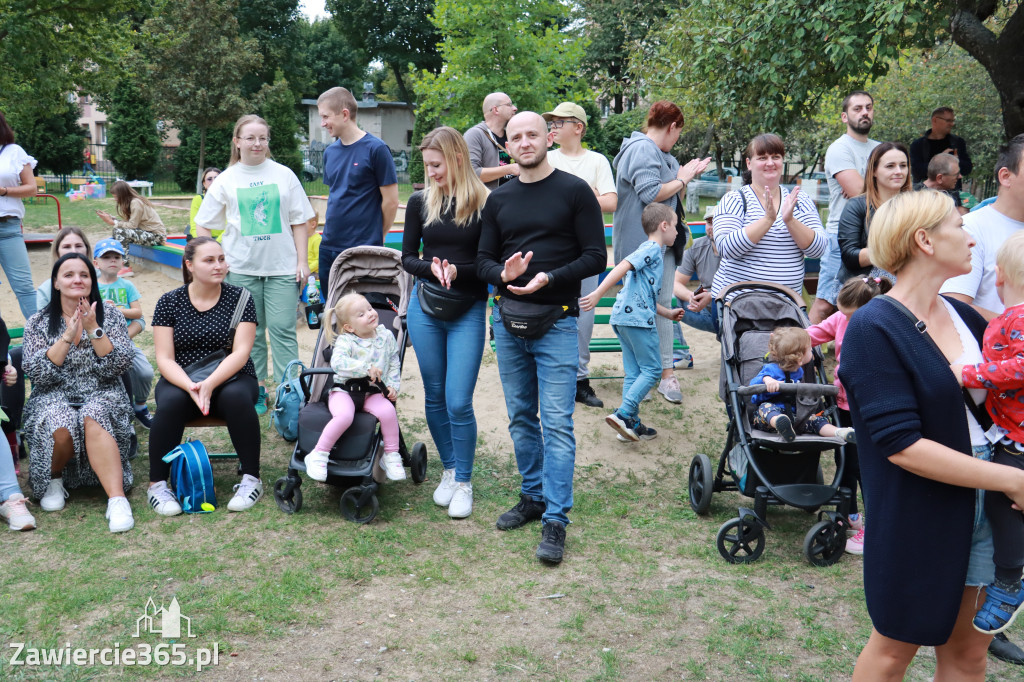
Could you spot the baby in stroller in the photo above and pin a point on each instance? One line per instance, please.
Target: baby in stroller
(789, 349)
(367, 370)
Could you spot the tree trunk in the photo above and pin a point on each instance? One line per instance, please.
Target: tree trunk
(617, 107)
(403, 92)
(202, 159)
(706, 145)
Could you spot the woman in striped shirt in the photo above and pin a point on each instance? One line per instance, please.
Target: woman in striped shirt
(763, 231)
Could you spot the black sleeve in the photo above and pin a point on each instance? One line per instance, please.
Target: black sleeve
(919, 159)
(5, 343)
(411, 237)
(589, 228)
(851, 233)
(966, 166)
(488, 265)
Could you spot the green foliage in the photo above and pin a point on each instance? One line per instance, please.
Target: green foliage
(325, 59)
(55, 141)
(279, 110)
(133, 143)
(271, 23)
(186, 156)
(616, 128)
(423, 125)
(519, 47)
(49, 48)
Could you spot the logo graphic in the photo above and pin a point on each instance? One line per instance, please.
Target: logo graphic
(165, 622)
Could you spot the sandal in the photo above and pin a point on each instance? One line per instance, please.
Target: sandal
(999, 610)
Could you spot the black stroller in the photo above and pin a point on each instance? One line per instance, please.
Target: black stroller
(760, 464)
(376, 273)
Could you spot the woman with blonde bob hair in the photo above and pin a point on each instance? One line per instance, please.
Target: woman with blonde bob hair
(447, 325)
(924, 456)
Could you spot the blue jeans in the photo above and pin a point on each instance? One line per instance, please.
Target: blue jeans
(981, 569)
(705, 320)
(641, 362)
(541, 373)
(828, 274)
(8, 479)
(449, 356)
(14, 260)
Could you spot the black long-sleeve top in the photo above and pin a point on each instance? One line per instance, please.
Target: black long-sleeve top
(559, 219)
(445, 240)
(924, 148)
(853, 237)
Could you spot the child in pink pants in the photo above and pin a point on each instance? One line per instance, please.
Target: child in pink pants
(363, 349)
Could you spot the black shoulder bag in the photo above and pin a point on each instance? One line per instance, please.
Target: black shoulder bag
(201, 369)
(443, 304)
(979, 412)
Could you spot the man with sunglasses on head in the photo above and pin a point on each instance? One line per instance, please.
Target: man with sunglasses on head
(939, 139)
(486, 142)
(567, 124)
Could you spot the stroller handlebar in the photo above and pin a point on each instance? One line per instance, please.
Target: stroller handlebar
(820, 390)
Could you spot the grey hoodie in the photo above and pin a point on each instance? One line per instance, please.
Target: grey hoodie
(641, 168)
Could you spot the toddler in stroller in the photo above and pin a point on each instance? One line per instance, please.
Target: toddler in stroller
(366, 369)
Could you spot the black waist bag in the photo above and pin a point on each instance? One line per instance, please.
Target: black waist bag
(528, 320)
(443, 304)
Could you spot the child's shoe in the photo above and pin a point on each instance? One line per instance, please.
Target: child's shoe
(644, 432)
(462, 501)
(855, 522)
(391, 463)
(855, 544)
(143, 416)
(16, 514)
(847, 434)
(784, 425)
(623, 426)
(445, 489)
(247, 494)
(316, 465)
(999, 610)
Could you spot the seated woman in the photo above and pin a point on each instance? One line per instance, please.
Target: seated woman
(138, 223)
(763, 231)
(189, 323)
(75, 351)
(68, 240)
(887, 175)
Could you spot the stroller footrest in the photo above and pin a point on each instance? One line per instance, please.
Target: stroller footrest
(804, 495)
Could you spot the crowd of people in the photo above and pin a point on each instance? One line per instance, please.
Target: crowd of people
(907, 285)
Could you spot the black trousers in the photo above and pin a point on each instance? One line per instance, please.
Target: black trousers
(851, 472)
(235, 403)
(1007, 523)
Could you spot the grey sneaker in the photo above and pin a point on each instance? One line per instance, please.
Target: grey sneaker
(670, 389)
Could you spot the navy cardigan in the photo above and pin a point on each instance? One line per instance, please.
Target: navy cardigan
(901, 389)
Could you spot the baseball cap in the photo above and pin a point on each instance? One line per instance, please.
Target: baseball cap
(711, 212)
(567, 110)
(106, 245)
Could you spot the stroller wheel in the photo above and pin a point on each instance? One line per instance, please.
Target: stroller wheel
(701, 484)
(825, 543)
(351, 510)
(288, 495)
(740, 541)
(418, 463)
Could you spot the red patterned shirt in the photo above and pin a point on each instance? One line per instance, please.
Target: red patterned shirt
(1002, 373)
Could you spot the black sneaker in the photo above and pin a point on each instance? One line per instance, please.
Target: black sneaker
(644, 432)
(784, 425)
(552, 542)
(144, 418)
(1005, 650)
(585, 394)
(527, 510)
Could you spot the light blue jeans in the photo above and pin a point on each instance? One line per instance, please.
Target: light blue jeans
(828, 273)
(449, 356)
(541, 373)
(14, 260)
(641, 362)
(981, 569)
(8, 479)
(276, 299)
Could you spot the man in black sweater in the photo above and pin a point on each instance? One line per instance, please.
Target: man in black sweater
(939, 139)
(541, 236)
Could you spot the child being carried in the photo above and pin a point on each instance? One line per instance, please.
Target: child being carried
(363, 350)
(789, 349)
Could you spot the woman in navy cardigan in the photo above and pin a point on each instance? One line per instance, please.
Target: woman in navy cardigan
(929, 551)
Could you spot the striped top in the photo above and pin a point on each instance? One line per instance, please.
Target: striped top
(776, 258)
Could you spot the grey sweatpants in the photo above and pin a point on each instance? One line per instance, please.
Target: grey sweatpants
(586, 329)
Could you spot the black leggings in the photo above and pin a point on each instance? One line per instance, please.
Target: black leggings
(1007, 523)
(851, 472)
(235, 403)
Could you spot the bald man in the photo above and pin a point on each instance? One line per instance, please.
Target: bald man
(486, 140)
(541, 236)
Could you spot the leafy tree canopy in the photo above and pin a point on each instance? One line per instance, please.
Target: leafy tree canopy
(325, 59)
(55, 140)
(133, 143)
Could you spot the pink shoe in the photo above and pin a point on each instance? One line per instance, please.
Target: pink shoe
(855, 545)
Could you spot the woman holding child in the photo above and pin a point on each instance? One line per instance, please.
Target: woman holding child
(923, 455)
(449, 344)
(763, 231)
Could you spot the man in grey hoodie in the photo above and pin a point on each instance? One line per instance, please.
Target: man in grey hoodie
(486, 142)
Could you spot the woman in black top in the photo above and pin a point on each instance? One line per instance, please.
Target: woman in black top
(446, 217)
(189, 323)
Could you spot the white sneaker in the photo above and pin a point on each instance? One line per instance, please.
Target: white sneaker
(670, 389)
(316, 465)
(53, 499)
(247, 493)
(162, 499)
(445, 489)
(462, 501)
(391, 463)
(16, 513)
(119, 513)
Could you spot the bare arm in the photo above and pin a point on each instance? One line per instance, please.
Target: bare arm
(933, 460)
(300, 234)
(498, 172)
(388, 206)
(608, 202)
(591, 300)
(163, 345)
(989, 315)
(26, 188)
(851, 182)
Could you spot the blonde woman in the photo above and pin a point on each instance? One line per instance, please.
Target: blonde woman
(263, 210)
(446, 218)
(139, 222)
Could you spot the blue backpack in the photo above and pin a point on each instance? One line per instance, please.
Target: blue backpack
(192, 477)
(288, 401)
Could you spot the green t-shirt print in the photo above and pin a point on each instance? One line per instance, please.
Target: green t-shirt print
(260, 209)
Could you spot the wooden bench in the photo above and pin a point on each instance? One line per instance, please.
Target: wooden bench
(211, 422)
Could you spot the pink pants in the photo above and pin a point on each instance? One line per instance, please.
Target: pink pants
(343, 411)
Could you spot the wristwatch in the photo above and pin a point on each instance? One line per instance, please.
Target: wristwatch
(96, 333)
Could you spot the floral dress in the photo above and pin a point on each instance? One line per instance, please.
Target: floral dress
(86, 378)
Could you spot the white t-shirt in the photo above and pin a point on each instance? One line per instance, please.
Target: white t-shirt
(592, 168)
(256, 207)
(990, 229)
(12, 161)
(845, 153)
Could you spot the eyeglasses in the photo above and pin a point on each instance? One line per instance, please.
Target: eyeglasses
(950, 121)
(558, 123)
(253, 140)
(506, 104)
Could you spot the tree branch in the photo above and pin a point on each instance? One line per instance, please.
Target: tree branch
(970, 33)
